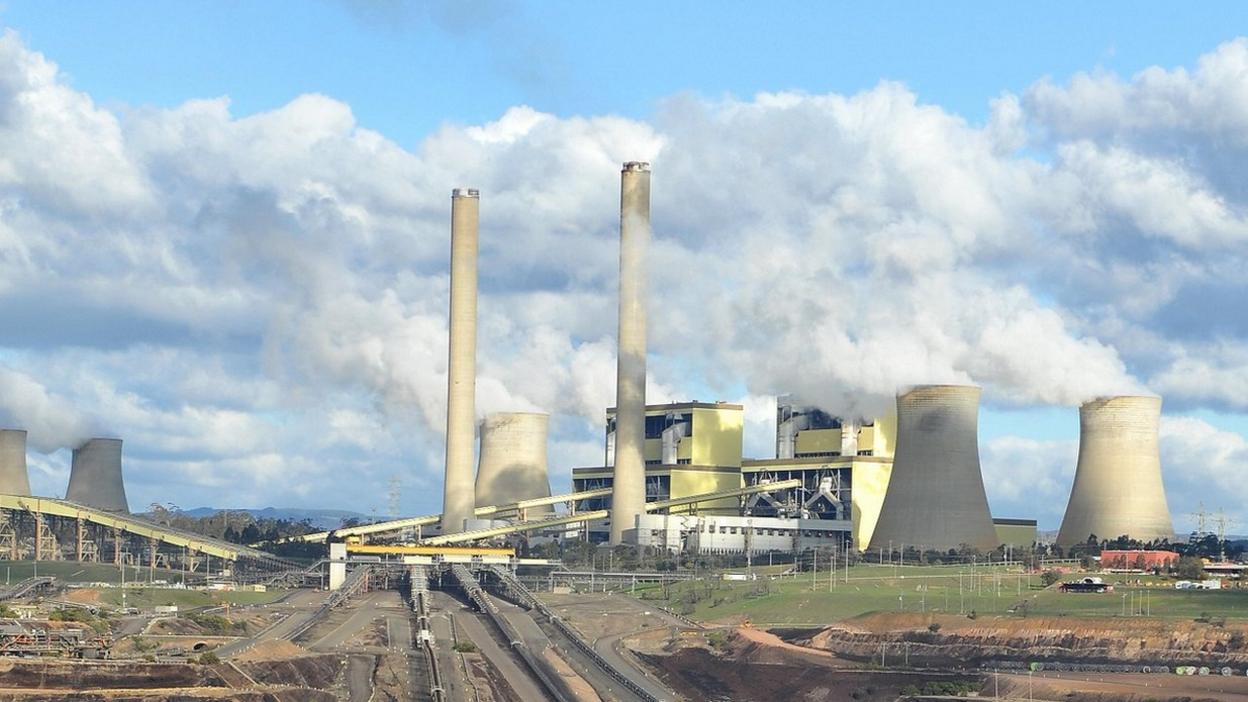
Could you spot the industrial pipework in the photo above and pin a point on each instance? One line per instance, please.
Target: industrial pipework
(1118, 489)
(458, 498)
(628, 496)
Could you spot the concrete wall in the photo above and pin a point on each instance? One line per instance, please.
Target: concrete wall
(513, 458)
(1118, 488)
(14, 479)
(868, 485)
(935, 496)
(95, 477)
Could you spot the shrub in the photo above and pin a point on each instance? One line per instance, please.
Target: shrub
(465, 647)
(1049, 577)
(934, 627)
(209, 658)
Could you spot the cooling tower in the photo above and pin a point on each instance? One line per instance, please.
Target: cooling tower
(512, 466)
(935, 497)
(628, 489)
(95, 476)
(13, 477)
(458, 501)
(1118, 487)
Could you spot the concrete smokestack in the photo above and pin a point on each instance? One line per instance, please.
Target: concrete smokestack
(628, 492)
(95, 476)
(461, 381)
(1118, 488)
(513, 458)
(14, 479)
(935, 497)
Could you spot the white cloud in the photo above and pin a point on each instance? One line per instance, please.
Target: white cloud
(266, 294)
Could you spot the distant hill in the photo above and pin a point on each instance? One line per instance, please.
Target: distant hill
(319, 518)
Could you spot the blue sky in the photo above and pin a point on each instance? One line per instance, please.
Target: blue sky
(406, 68)
(1048, 202)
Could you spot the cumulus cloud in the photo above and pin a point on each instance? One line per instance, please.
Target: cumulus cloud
(266, 294)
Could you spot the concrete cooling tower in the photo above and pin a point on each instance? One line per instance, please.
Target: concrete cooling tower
(95, 476)
(1118, 487)
(13, 477)
(512, 465)
(935, 497)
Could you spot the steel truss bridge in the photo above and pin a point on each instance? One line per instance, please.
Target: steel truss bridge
(50, 529)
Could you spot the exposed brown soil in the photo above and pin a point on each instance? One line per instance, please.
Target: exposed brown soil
(84, 675)
(1102, 687)
(699, 674)
(964, 642)
(165, 695)
(316, 671)
(83, 595)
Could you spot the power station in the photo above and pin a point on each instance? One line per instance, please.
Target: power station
(1118, 489)
(674, 475)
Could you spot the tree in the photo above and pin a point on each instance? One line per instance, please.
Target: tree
(1190, 568)
(1050, 577)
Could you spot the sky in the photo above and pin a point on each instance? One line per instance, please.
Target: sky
(224, 229)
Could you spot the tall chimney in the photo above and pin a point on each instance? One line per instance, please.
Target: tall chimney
(458, 498)
(95, 476)
(13, 477)
(628, 491)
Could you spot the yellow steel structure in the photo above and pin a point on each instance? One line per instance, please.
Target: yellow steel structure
(714, 437)
(131, 525)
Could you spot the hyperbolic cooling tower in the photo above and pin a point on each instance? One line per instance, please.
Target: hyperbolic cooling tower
(458, 501)
(935, 497)
(1118, 487)
(513, 458)
(628, 488)
(13, 477)
(95, 476)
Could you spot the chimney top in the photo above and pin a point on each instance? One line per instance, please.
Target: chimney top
(465, 192)
(642, 166)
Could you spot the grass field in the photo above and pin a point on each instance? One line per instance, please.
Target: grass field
(185, 599)
(73, 572)
(951, 590)
(136, 594)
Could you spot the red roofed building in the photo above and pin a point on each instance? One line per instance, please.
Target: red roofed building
(1137, 560)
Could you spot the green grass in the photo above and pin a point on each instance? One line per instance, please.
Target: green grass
(73, 572)
(995, 591)
(185, 599)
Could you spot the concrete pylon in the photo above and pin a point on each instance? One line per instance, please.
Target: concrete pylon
(1118, 488)
(512, 463)
(14, 479)
(628, 487)
(458, 501)
(95, 476)
(935, 497)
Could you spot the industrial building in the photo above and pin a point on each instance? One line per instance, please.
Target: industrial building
(694, 448)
